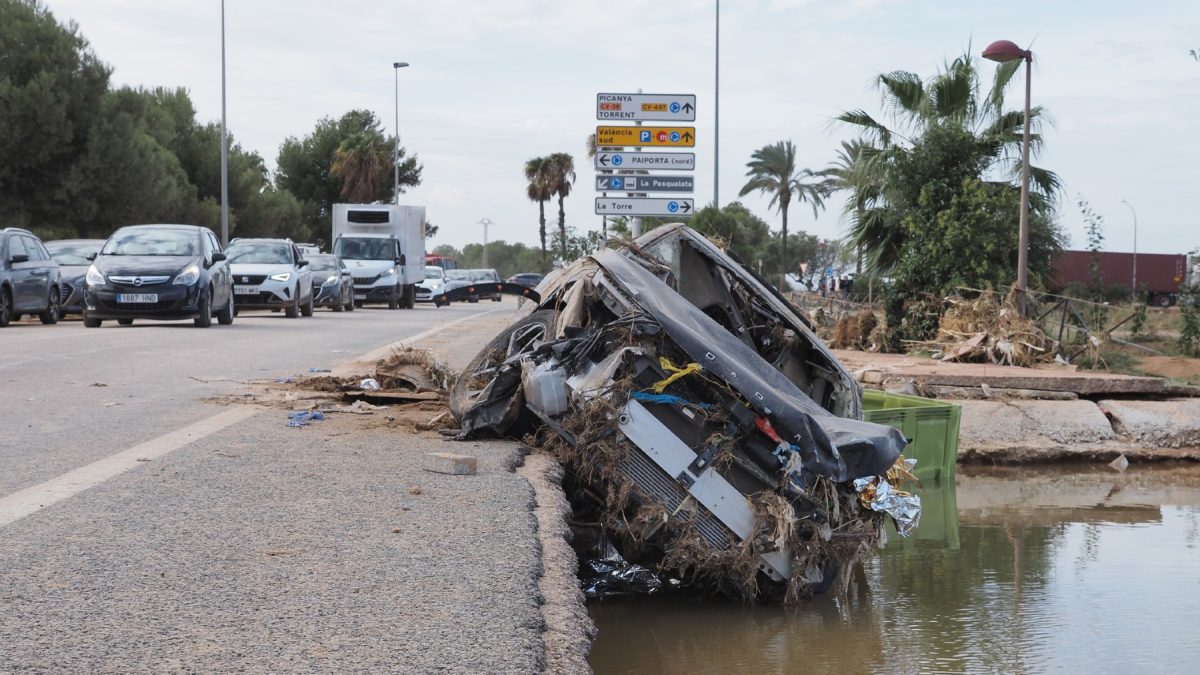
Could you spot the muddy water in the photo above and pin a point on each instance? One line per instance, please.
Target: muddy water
(1016, 570)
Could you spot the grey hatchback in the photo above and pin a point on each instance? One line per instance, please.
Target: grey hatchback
(29, 278)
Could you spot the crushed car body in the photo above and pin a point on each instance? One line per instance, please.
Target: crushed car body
(705, 428)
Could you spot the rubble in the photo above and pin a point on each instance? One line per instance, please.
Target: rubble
(986, 331)
(707, 432)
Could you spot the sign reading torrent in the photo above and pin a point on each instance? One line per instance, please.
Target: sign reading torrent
(643, 206)
(646, 107)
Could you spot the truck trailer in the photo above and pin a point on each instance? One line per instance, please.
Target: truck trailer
(383, 246)
(1162, 275)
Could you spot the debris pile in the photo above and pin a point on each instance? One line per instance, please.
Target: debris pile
(706, 431)
(857, 331)
(986, 331)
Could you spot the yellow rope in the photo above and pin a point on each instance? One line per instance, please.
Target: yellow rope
(675, 371)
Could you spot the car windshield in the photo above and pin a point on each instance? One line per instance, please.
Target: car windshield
(364, 249)
(264, 254)
(72, 254)
(433, 273)
(152, 242)
(458, 275)
(483, 275)
(322, 263)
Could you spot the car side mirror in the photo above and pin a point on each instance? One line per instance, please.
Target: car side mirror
(400, 260)
(218, 257)
(301, 263)
(91, 256)
(19, 258)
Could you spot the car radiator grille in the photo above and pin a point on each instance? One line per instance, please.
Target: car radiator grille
(249, 279)
(365, 281)
(657, 485)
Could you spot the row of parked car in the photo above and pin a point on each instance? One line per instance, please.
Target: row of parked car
(181, 272)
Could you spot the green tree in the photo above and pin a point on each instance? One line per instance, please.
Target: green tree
(772, 170)
(537, 172)
(362, 163)
(51, 86)
(560, 177)
(306, 165)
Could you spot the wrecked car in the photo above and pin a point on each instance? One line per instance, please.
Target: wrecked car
(706, 430)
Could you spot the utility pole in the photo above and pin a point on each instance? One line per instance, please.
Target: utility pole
(717, 115)
(635, 224)
(224, 144)
(1131, 210)
(396, 66)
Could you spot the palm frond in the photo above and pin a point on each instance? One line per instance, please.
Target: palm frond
(863, 119)
(1004, 75)
(904, 95)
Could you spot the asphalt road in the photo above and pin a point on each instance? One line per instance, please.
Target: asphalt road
(214, 538)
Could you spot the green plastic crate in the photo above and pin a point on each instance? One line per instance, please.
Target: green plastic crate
(931, 426)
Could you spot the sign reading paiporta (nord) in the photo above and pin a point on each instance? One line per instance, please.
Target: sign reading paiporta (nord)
(643, 206)
(646, 107)
(626, 183)
(639, 137)
(646, 161)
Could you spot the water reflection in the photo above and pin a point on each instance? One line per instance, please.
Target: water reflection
(1017, 570)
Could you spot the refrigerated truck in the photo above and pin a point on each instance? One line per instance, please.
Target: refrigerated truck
(383, 246)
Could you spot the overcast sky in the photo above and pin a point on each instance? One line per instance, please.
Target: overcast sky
(494, 83)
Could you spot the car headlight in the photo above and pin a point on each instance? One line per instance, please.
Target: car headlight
(330, 281)
(189, 275)
(94, 277)
(391, 272)
(434, 285)
(282, 276)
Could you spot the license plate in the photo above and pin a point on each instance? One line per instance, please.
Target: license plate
(244, 290)
(137, 297)
(360, 296)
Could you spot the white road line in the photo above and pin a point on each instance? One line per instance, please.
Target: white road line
(33, 499)
(382, 352)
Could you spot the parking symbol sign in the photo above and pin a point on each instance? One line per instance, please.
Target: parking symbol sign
(645, 137)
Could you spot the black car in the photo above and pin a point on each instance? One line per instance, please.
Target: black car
(28, 278)
(333, 285)
(159, 272)
(526, 279)
(74, 257)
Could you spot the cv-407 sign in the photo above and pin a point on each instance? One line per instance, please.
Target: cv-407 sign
(646, 107)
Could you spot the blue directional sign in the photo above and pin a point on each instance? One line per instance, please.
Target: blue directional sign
(674, 107)
(674, 136)
(617, 160)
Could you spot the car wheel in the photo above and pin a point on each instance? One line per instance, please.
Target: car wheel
(394, 298)
(410, 296)
(307, 308)
(340, 304)
(204, 311)
(473, 299)
(1164, 300)
(358, 303)
(482, 376)
(495, 298)
(350, 300)
(50, 316)
(89, 322)
(225, 316)
(293, 310)
(125, 322)
(5, 306)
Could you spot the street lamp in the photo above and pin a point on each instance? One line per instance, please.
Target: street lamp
(1135, 295)
(396, 147)
(485, 222)
(1004, 51)
(224, 143)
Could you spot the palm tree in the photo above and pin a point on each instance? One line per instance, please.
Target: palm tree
(561, 175)
(952, 97)
(362, 162)
(858, 169)
(538, 190)
(772, 170)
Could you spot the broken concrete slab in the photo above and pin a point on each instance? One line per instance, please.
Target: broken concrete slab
(450, 463)
(1032, 423)
(1159, 424)
(986, 392)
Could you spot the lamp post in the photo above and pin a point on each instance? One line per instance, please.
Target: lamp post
(485, 222)
(1004, 51)
(1135, 295)
(224, 143)
(396, 66)
(717, 113)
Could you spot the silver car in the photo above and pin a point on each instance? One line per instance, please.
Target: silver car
(432, 284)
(270, 274)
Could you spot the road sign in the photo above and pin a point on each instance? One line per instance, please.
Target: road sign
(643, 206)
(626, 137)
(645, 183)
(646, 107)
(646, 161)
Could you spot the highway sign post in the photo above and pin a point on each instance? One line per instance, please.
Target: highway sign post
(646, 161)
(626, 183)
(643, 137)
(644, 206)
(646, 107)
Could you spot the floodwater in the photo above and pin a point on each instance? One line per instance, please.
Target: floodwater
(1017, 570)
